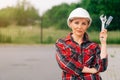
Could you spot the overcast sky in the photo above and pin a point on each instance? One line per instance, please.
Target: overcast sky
(41, 5)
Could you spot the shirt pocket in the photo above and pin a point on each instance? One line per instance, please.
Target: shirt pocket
(89, 57)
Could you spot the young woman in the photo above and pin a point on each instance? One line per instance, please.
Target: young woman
(78, 57)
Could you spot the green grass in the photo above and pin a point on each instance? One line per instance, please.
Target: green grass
(51, 35)
(20, 35)
(31, 35)
(113, 37)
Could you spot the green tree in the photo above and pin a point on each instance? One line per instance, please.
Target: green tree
(57, 16)
(26, 13)
(22, 14)
(106, 7)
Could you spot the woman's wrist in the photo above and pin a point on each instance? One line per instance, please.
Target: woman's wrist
(104, 43)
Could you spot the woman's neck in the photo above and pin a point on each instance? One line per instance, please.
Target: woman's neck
(78, 39)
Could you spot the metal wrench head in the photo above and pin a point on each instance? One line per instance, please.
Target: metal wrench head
(103, 18)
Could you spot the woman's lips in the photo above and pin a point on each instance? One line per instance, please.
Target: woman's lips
(79, 30)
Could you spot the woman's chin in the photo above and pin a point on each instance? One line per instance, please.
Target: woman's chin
(79, 33)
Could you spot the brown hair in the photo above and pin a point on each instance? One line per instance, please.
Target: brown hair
(86, 37)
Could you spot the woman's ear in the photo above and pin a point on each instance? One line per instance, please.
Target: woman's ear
(69, 24)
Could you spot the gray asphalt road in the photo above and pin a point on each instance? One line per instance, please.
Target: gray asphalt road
(38, 63)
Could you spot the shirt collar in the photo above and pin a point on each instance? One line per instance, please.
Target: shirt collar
(69, 37)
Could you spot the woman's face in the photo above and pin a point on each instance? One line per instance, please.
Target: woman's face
(79, 26)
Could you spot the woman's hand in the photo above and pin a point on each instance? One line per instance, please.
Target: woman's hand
(103, 36)
(94, 70)
(89, 70)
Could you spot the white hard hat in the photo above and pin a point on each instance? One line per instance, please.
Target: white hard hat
(79, 13)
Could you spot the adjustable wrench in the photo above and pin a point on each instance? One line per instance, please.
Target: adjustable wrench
(103, 20)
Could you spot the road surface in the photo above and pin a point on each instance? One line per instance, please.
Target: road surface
(39, 63)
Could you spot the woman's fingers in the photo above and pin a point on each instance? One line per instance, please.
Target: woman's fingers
(103, 35)
(104, 31)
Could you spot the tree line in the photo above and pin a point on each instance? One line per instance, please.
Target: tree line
(25, 14)
(57, 16)
(22, 14)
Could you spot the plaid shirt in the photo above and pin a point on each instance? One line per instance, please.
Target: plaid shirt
(72, 57)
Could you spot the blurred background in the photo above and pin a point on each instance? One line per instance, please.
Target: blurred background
(43, 22)
(28, 26)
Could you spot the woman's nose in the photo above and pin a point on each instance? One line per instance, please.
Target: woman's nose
(79, 26)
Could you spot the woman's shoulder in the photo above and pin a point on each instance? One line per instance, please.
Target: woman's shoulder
(61, 40)
(64, 39)
(93, 44)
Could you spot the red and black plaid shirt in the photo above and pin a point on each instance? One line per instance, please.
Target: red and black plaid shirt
(72, 57)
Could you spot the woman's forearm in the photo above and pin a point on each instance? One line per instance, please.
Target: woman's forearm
(103, 39)
(103, 51)
(89, 70)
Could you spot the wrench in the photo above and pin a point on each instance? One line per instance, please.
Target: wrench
(103, 20)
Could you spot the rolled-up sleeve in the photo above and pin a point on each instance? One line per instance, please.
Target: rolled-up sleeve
(66, 62)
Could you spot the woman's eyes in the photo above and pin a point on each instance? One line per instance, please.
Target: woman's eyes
(76, 22)
(83, 23)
